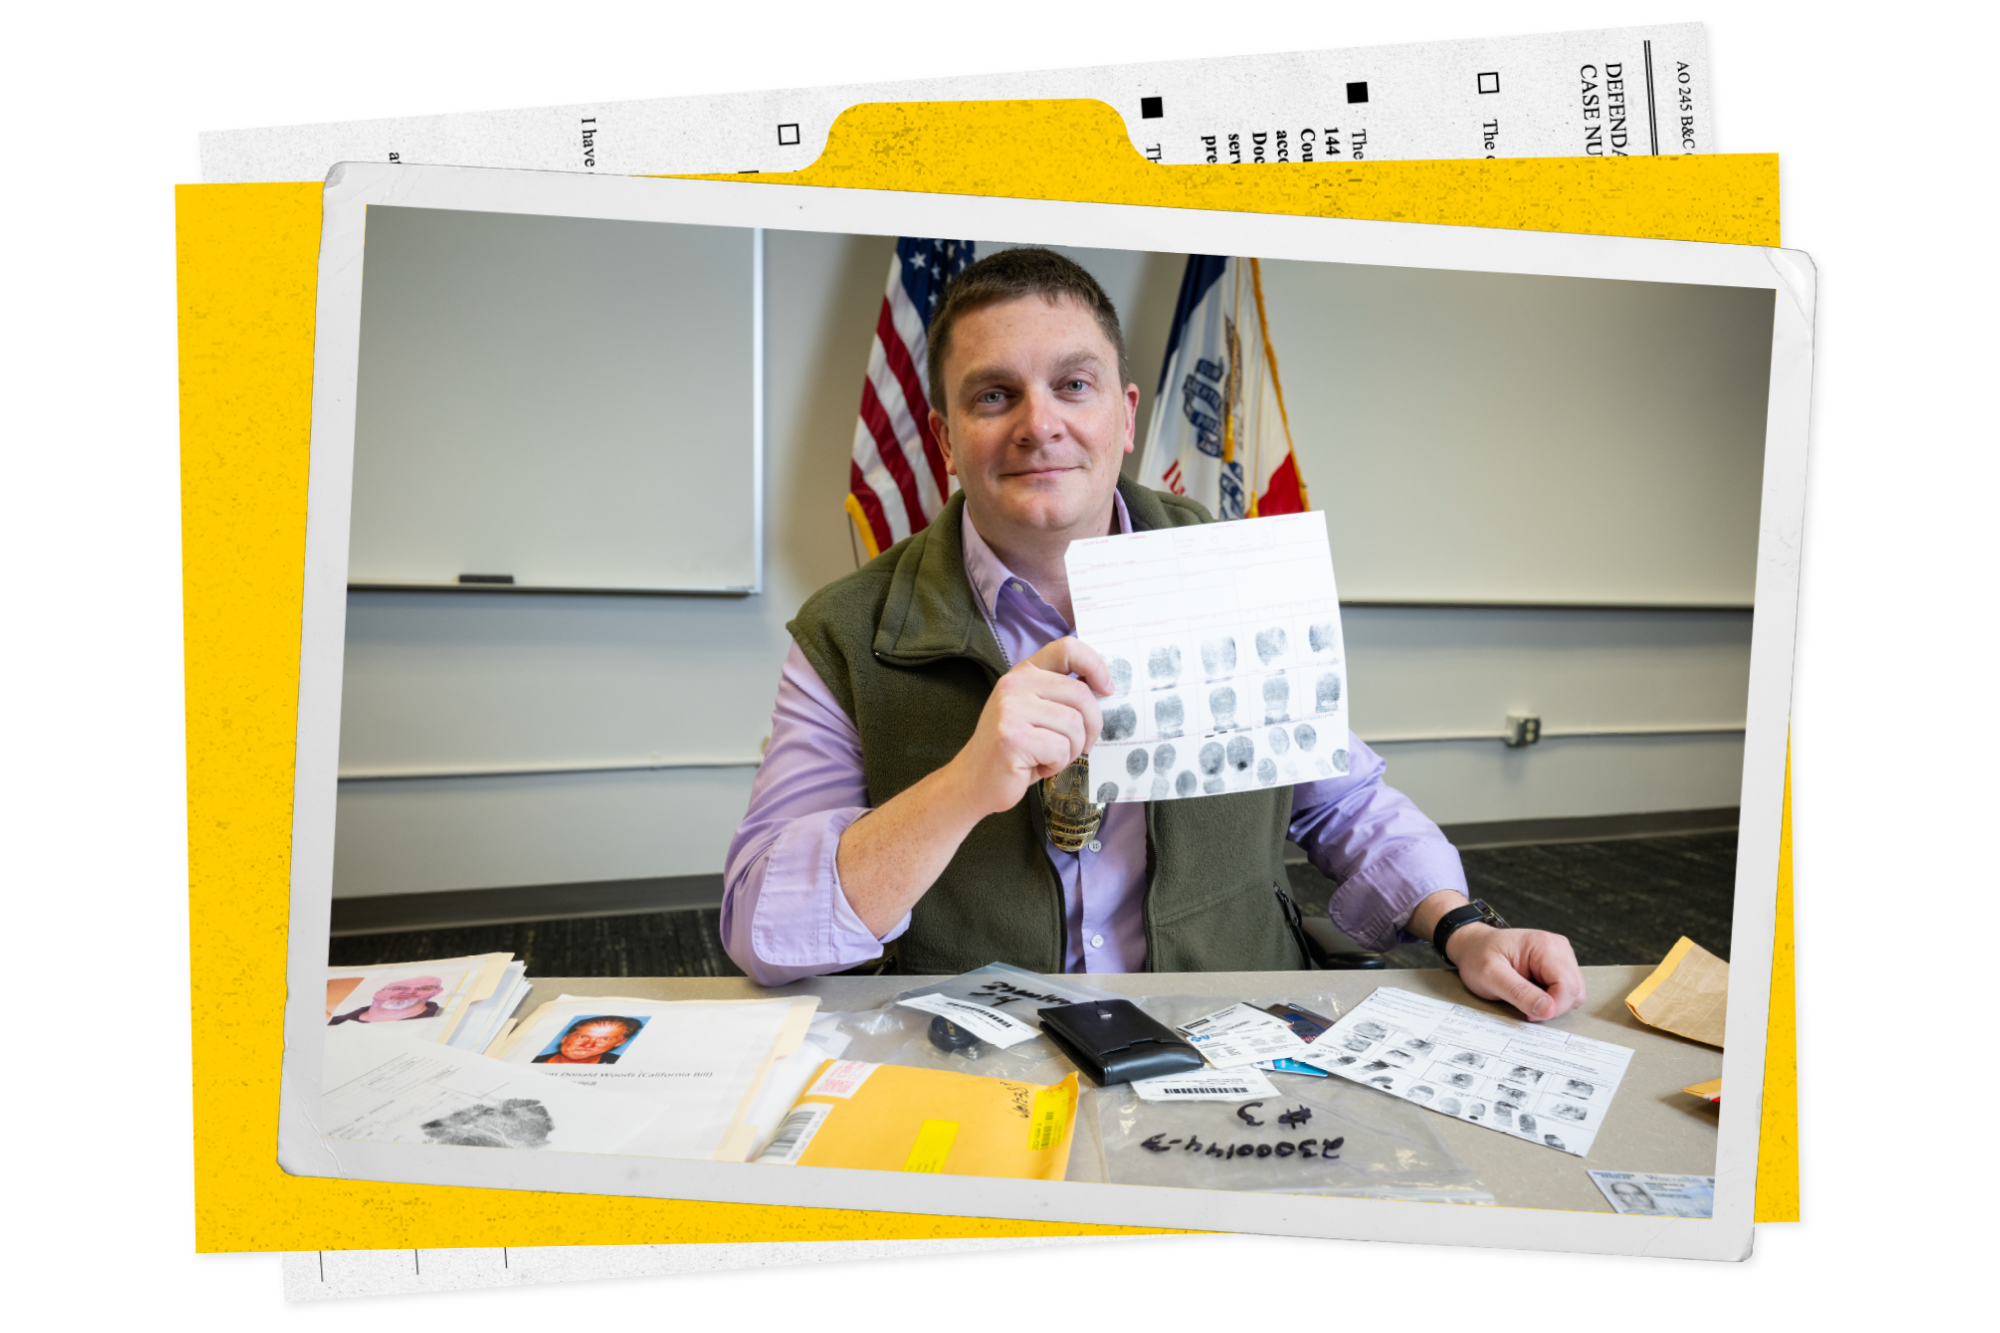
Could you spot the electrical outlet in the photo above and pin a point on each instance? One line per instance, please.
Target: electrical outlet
(1522, 730)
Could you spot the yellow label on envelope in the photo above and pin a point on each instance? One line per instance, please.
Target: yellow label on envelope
(934, 1142)
(1045, 1122)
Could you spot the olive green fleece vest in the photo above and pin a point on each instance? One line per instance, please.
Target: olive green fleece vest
(903, 646)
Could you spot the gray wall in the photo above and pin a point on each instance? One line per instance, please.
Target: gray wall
(455, 682)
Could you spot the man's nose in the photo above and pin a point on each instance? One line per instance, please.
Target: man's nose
(1040, 421)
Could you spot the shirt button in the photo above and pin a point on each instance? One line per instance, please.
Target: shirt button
(1096, 846)
(1097, 941)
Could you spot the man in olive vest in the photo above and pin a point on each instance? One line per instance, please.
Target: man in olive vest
(901, 804)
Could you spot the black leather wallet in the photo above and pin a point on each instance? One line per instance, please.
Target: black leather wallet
(1115, 1041)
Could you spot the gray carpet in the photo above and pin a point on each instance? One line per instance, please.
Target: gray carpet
(1623, 901)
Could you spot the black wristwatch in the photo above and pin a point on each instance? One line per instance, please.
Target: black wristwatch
(1476, 910)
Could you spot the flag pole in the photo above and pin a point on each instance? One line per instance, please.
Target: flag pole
(1277, 387)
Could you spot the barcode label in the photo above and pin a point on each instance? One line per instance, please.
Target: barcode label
(1238, 1085)
(1003, 1030)
(795, 1134)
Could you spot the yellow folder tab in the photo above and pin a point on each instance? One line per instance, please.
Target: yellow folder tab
(901, 1118)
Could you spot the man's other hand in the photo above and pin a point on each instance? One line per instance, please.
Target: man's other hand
(1532, 970)
(1038, 719)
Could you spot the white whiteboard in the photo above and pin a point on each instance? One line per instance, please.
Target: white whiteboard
(571, 403)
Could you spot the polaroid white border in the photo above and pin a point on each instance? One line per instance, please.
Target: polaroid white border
(352, 187)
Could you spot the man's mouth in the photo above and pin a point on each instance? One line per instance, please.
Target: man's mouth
(400, 1004)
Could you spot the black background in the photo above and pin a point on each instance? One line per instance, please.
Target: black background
(1771, 91)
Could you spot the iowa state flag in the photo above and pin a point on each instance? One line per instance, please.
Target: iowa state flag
(1218, 433)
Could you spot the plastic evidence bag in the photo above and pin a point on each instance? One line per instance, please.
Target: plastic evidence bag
(902, 1035)
(1318, 1136)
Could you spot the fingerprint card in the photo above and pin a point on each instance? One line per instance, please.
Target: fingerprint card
(1542, 1084)
(1224, 644)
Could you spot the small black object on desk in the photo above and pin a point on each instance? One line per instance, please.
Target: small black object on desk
(952, 1039)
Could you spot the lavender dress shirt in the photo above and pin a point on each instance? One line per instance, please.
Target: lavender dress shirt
(784, 915)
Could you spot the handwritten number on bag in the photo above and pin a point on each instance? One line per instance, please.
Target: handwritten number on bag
(1324, 1149)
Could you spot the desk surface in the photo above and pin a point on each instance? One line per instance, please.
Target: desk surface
(1653, 1125)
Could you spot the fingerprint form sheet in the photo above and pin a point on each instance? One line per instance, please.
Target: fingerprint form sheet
(1227, 668)
(1541, 1084)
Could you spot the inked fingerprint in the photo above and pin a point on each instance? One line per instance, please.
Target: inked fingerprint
(1120, 722)
(1326, 693)
(1184, 784)
(1213, 786)
(1279, 740)
(1218, 656)
(1277, 698)
(1121, 676)
(1267, 772)
(1163, 758)
(1271, 644)
(1449, 1105)
(1305, 735)
(1339, 761)
(1107, 793)
(1135, 762)
(1323, 637)
(1222, 707)
(1164, 665)
(1211, 759)
(1169, 715)
(1161, 788)
(1241, 752)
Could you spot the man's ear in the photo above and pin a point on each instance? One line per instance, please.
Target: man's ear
(942, 434)
(1131, 416)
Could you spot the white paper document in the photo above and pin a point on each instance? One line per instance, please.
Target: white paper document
(427, 1000)
(1227, 667)
(1537, 1083)
(1003, 1030)
(1653, 1194)
(1606, 93)
(383, 1087)
(701, 1061)
(1240, 1035)
(1206, 1085)
(484, 1018)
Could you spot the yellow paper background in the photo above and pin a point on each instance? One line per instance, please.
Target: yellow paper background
(247, 258)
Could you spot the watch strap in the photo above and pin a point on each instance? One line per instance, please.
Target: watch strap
(1448, 925)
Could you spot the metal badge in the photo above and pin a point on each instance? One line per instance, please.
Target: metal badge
(1073, 820)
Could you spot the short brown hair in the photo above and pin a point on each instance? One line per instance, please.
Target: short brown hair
(1009, 275)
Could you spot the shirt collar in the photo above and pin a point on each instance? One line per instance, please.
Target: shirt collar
(987, 573)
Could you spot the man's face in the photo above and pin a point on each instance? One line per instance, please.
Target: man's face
(408, 995)
(1035, 420)
(592, 1040)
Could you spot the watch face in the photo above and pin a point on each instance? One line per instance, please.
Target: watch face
(1488, 915)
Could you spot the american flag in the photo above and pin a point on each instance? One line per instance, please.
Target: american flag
(897, 481)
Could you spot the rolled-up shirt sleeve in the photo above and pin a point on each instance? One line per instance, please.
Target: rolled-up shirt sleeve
(1382, 853)
(784, 915)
